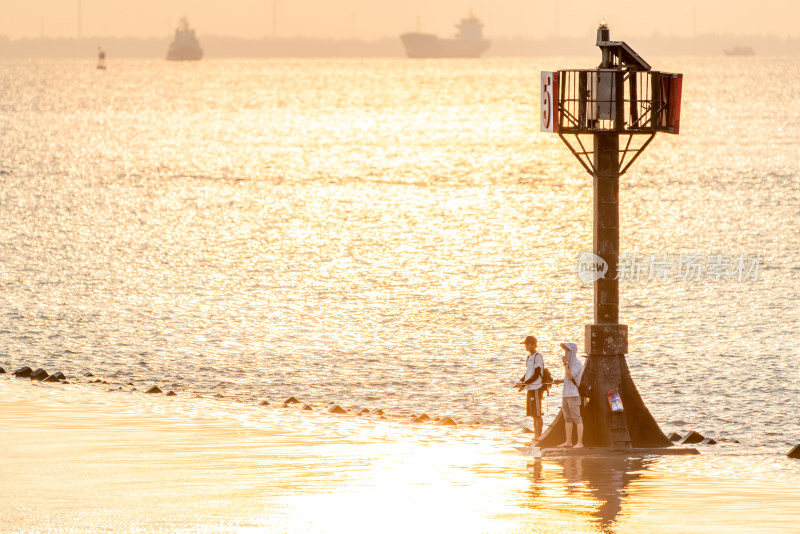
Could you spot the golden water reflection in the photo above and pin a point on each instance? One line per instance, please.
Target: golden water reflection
(593, 487)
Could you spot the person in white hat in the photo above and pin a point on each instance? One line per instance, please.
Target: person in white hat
(570, 398)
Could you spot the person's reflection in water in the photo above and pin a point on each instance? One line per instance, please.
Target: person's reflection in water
(602, 479)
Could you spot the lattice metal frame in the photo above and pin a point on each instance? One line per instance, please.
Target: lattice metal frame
(589, 101)
(585, 156)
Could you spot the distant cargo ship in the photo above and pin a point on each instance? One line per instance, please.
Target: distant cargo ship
(740, 51)
(185, 47)
(469, 42)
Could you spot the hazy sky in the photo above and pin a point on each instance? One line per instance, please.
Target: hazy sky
(372, 19)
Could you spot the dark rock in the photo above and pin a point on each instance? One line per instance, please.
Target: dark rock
(527, 431)
(88, 375)
(51, 378)
(130, 383)
(308, 408)
(422, 418)
(291, 400)
(39, 374)
(23, 372)
(153, 389)
(795, 452)
(377, 412)
(98, 381)
(171, 394)
(219, 396)
(709, 441)
(59, 375)
(691, 438)
(446, 421)
(263, 403)
(673, 436)
(363, 412)
(337, 409)
(2, 371)
(65, 382)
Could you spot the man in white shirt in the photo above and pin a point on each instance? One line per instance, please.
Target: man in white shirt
(532, 382)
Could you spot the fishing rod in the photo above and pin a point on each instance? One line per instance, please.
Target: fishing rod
(517, 385)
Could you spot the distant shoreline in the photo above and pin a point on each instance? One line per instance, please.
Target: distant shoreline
(299, 47)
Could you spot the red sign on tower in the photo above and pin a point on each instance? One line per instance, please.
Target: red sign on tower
(549, 102)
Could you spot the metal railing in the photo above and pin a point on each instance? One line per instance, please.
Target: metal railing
(611, 100)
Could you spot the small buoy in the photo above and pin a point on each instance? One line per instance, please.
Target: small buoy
(153, 389)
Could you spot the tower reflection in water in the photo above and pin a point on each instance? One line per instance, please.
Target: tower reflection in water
(593, 488)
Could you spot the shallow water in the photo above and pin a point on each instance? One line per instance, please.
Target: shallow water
(121, 462)
(382, 233)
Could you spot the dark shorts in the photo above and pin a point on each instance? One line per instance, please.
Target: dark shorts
(533, 406)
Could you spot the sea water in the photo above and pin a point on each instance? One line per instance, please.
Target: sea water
(383, 234)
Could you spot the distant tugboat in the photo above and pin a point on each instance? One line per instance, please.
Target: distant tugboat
(469, 42)
(740, 51)
(101, 59)
(185, 47)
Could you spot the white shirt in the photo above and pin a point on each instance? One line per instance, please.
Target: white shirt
(534, 361)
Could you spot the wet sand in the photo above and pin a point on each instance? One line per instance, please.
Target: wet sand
(81, 460)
